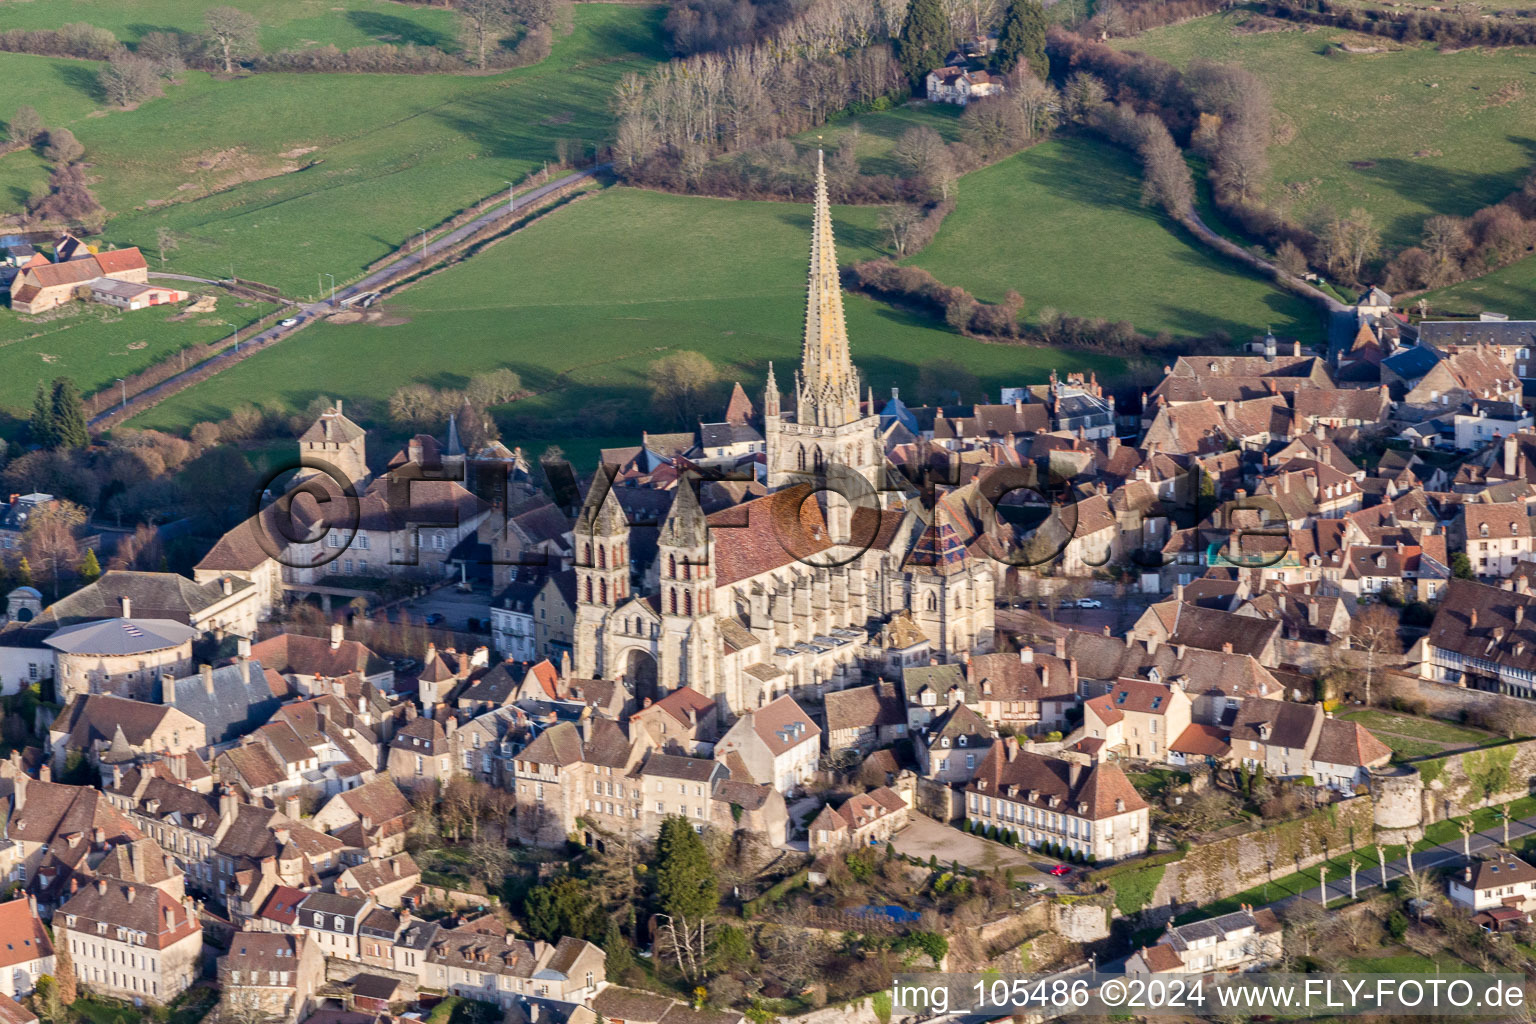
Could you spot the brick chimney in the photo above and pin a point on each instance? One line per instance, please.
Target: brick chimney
(126, 607)
(207, 672)
(336, 630)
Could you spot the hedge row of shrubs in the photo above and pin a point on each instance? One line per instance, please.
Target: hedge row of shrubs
(1009, 837)
(1411, 26)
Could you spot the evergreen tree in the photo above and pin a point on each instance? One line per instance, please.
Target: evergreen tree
(687, 891)
(1023, 38)
(43, 431)
(68, 416)
(926, 39)
(90, 568)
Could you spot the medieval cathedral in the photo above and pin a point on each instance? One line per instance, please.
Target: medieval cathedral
(823, 581)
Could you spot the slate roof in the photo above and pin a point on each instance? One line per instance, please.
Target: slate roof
(230, 701)
(151, 595)
(1090, 792)
(1487, 623)
(1290, 725)
(161, 920)
(116, 637)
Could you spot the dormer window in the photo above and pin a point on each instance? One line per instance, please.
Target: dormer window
(944, 742)
(1483, 530)
(961, 741)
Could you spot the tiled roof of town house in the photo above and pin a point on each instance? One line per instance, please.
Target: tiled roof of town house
(1191, 429)
(1141, 696)
(1268, 415)
(1503, 869)
(141, 908)
(960, 721)
(282, 905)
(744, 794)
(249, 833)
(865, 707)
(250, 952)
(680, 702)
(50, 275)
(498, 686)
(333, 426)
(1263, 921)
(1108, 658)
(1202, 740)
(260, 538)
(1349, 743)
(1500, 519)
(423, 734)
(334, 905)
(372, 875)
(52, 810)
(142, 861)
(253, 765)
(229, 701)
(864, 808)
(300, 654)
(1104, 709)
(1003, 676)
(1162, 957)
(91, 717)
(689, 769)
(22, 933)
(380, 800)
(634, 1006)
(1488, 623)
(1093, 792)
(1288, 725)
(782, 724)
(560, 744)
(1212, 630)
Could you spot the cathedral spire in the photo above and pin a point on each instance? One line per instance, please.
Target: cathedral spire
(828, 387)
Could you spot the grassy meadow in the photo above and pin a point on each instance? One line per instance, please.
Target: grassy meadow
(1406, 133)
(95, 345)
(1510, 290)
(285, 24)
(581, 303)
(1064, 225)
(286, 176)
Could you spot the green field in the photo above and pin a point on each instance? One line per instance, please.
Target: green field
(1406, 134)
(1431, 729)
(1510, 290)
(286, 176)
(285, 24)
(1063, 224)
(94, 345)
(582, 301)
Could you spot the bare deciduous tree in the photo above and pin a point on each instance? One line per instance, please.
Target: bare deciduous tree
(1374, 631)
(233, 33)
(900, 222)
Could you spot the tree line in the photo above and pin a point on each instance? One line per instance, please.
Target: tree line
(1450, 29)
(69, 200)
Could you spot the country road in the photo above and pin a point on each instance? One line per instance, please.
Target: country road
(306, 315)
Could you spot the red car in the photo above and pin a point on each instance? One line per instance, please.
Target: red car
(1061, 869)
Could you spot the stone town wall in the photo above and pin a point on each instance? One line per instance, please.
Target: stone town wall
(1215, 870)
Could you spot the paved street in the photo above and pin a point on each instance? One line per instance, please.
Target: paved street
(1445, 855)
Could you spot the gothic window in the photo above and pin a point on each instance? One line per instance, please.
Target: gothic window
(588, 553)
(671, 567)
(603, 589)
(589, 590)
(602, 557)
(687, 604)
(801, 457)
(819, 461)
(673, 601)
(933, 603)
(687, 570)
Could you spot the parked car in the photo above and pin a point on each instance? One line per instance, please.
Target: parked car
(435, 619)
(1061, 869)
(1089, 602)
(291, 321)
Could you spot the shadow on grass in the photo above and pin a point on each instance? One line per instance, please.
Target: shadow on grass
(80, 77)
(391, 28)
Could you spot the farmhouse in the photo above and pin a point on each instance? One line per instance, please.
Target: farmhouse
(40, 287)
(959, 86)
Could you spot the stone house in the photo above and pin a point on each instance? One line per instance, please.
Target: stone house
(1501, 881)
(952, 746)
(1242, 941)
(865, 717)
(374, 817)
(96, 723)
(959, 86)
(1277, 735)
(1138, 717)
(386, 880)
(683, 722)
(132, 942)
(1092, 810)
(777, 744)
(275, 975)
(862, 820)
(28, 952)
(331, 921)
(1345, 754)
(421, 756)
